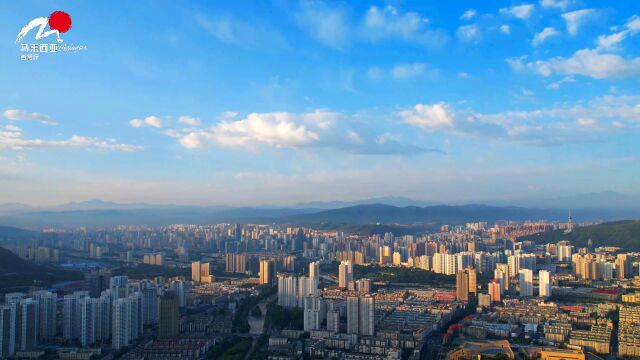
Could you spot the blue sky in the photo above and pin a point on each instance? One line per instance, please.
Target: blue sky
(252, 103)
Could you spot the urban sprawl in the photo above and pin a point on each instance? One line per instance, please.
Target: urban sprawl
(229, 291)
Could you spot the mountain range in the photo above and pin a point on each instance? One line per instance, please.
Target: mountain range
(593, 200)
(342, 218)
(396, 211)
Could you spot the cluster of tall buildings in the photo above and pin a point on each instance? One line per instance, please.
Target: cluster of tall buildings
(201, 272)
(467, 287)
(235, 263)
(303, 292)
(117, 316)
(361, 314)
(294, 290)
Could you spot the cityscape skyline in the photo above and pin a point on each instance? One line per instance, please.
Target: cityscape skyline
(315, 179)
(479, 101)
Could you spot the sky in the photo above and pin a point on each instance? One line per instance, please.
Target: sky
(254, 102)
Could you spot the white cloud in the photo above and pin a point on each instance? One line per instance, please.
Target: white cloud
(506, 29)
(469, 14)
(520, 11)
(230, 30)
(463, 74)
(354, 136)
(587, 122)
(189, 120)
(13, 139)
(468, 32)
(612, 41)
(540, 37)
(328, 25)
(229, 114)
(387, 137)
(12, 128)
(275, 129)
(318, 129)
(584, 62)
(389, 22)
(152, 121)
(558, 4)
(566, 79)
(429, 117)
(21, 115)
(404, 71)
(575, 19)
(561, 124)
(617, 124)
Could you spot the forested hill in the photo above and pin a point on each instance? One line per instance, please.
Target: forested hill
(624, 234)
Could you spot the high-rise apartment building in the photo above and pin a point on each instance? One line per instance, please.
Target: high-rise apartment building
(494, 291)
(353, 314)
(565, 251)
(149, 302)
(544, 280)
(267, 269)
(624, 267)
(7, 331)
(306, 287)
(333, 321)
(121, 316)
(27, 325)
(89, 308)
(169, 315)
(501, 278)
(466, 286)
(366, 315)
(314, 309)
(525, 280)
(235, 263)
(345, 274)
(119, 286)
(361, 315)
(314, 270)
(71, 315)
(126, 320)
(363, 285)
(47, 302)
(287, 290)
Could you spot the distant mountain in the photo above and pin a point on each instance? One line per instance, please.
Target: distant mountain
(84, 214)
(13, 208)
(624, 234)
(413, 215)
(386, 200)
(148, 216)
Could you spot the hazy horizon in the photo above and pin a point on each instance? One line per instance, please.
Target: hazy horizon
(389, 200)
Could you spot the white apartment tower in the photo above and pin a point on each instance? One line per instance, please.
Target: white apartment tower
(544, 278)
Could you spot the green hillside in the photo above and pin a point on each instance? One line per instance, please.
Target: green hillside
(17, 274)
(624, 234)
